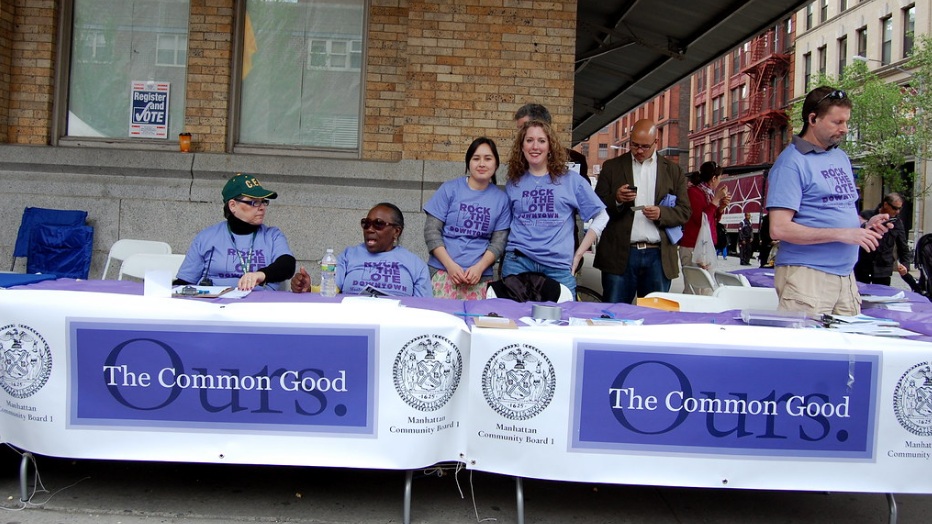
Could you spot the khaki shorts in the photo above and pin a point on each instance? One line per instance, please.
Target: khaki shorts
(816, 292)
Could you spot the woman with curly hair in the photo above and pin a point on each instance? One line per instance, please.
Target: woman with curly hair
(543, 200)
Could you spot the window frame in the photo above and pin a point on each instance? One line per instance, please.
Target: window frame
(886, 40)
(234, 114)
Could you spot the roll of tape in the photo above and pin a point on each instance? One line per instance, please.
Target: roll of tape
(546, 312)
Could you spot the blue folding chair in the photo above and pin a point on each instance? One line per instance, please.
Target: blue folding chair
(36, 216)
(64, 251)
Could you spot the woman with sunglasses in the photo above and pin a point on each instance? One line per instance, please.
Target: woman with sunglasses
(467, 226)
(378, 265)
(543, 202)
(242, 251)
(707, 197)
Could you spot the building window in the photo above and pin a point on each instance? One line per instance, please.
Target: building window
(737, 100)
(585, 148)
(886, 45)
(842, 5)
(603, 150)
(842, 54)
(171, 50)
(700, 80)
(736, 149)
(788, 35)
(93, 46)
(823, 11)
(661, 106)
(114, 44)
(717, 104)
(862, 41)
(334, 55)
(302, 74)
(807, 70)
(823, 57)
(736, 61)
(809, 9)
(718, 73)
(700, 116)
(909, 29)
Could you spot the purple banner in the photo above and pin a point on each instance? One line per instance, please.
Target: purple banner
(148, 374)
(743, 402)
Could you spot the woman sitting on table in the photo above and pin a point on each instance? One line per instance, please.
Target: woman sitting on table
(543, 200)
(242, 251)
(378, 265)
(467, 226)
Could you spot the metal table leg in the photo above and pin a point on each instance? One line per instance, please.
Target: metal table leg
(406, 517)
(891, 502)
(519, 496)
(24, 477)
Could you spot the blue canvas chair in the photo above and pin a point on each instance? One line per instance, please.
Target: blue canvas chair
(64, 251)
(37, 216)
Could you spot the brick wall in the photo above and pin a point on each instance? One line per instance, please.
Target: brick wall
(31, 70)
(439, 73)
(210, 39)
(6, 60)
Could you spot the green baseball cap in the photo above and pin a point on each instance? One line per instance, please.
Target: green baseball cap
(248, 185)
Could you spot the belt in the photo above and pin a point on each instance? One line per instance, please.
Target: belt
(644, 245)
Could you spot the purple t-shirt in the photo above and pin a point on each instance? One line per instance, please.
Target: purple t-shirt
(819, 186)
(469, 218)
(395, 272)
(217, 253)
(542, 216)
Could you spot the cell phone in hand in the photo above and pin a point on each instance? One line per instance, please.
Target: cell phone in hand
(633, 188)
(889, 221)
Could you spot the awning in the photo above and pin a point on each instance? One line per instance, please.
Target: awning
(629, 51)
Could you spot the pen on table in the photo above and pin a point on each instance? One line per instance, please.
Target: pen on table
(470, 314)
(609, 313)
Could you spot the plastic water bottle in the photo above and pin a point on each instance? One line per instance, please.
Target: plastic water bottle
(328, 274)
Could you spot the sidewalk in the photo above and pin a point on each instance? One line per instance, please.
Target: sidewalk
(111, 492)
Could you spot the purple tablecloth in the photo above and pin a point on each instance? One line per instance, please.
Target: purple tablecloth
(919, 320)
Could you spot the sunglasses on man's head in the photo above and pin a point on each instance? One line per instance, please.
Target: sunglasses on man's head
(378, 224)
(837, 94)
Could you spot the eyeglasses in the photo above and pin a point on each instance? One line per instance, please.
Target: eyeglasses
(895, 208)
(641, 147)
(262, 202)
(837, 94)
(378, 224)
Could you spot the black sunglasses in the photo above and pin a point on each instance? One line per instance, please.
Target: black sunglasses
(837, 94)
(378, 224)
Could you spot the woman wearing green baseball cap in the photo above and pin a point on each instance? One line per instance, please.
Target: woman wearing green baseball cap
(241, 251)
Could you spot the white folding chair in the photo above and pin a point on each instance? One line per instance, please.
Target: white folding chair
(136, 265)
(126, 247)
(724, 278)
(698, 280)
(761, 298)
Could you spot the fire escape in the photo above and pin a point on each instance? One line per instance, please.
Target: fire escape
(765, 64)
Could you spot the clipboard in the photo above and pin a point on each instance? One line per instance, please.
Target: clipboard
(200, 291)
